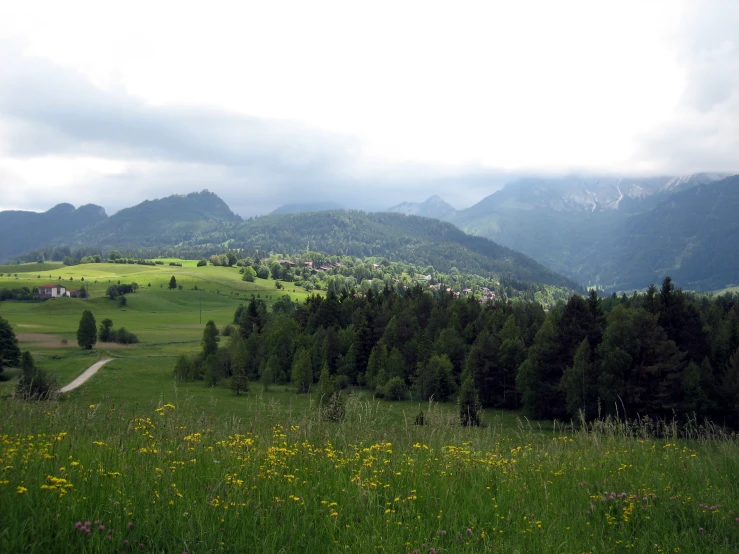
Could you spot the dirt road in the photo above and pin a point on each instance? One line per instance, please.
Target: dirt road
(89, 372)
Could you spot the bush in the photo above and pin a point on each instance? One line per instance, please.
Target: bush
(122, 336)
(395, 389)
(335, 408)
(202, 262)
(342, 382)
(35, 383)
(228, 330)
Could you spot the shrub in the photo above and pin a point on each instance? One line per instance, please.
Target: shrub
(202, 262)
(342, 382)
(335, 408)
(122, 336)
(470, 409)
(395, 389)
(35, 383)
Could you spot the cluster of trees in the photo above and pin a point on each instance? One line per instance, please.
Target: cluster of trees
(62, 254)
(114, 291)
(22, 293)
(661, 354)
(106, 333)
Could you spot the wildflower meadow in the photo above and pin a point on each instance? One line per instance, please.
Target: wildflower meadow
(176, 478)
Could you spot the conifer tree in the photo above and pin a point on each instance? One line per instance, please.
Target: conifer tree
(9, 351)
(470, 409)
(87, 330)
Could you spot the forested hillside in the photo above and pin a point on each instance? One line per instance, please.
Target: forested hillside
(415, 240)
(24, 231)
(662, 354)
(693, 236)
(166, 221)
(617, 233)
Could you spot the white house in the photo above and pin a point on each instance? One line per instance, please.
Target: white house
(52, 291)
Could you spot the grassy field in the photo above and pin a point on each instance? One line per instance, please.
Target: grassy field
(133, 462)
(168, 322)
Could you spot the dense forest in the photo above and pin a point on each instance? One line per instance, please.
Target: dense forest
(662, 354)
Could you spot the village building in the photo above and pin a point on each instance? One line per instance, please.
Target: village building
(54, 291)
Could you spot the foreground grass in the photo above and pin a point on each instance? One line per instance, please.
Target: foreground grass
(181, 478)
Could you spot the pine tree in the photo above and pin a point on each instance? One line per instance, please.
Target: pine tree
(87, 330)
(578, 383)
(210, 339)
(106, 328)
(470, 409)
(9, 351)
(173, 283)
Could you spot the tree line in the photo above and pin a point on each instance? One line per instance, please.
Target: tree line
(662, 354)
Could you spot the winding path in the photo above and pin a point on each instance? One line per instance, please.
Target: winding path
(89, 372)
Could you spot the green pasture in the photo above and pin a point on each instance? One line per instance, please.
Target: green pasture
(167, 322)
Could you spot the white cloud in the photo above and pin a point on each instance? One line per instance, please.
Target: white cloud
(399, 99)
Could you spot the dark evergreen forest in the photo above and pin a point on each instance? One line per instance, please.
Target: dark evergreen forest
(661, 354)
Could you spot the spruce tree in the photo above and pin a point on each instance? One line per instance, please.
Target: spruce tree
(210, 339)
(9, 351)
(87, 330)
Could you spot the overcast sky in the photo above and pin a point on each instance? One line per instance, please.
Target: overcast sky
(363, 103)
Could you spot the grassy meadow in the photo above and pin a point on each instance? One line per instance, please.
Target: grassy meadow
(132, 462)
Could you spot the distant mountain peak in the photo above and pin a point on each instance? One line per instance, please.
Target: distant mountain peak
(434, 206)
(63, 208)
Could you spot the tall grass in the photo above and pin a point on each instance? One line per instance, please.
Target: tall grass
(180, 478)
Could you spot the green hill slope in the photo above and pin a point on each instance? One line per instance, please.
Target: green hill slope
(170, 220)
(417, 240)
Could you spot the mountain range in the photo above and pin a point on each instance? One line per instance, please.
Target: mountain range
(201, 223)
(618, 233)
(615, 233)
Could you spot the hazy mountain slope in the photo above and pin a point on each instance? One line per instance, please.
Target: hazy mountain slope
(693, 236)
(433, 206)
(307, 207)
(169, 220)
(417, 240)
(564, 222)
(23, 231)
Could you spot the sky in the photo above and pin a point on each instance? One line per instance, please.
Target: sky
(366, 104)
